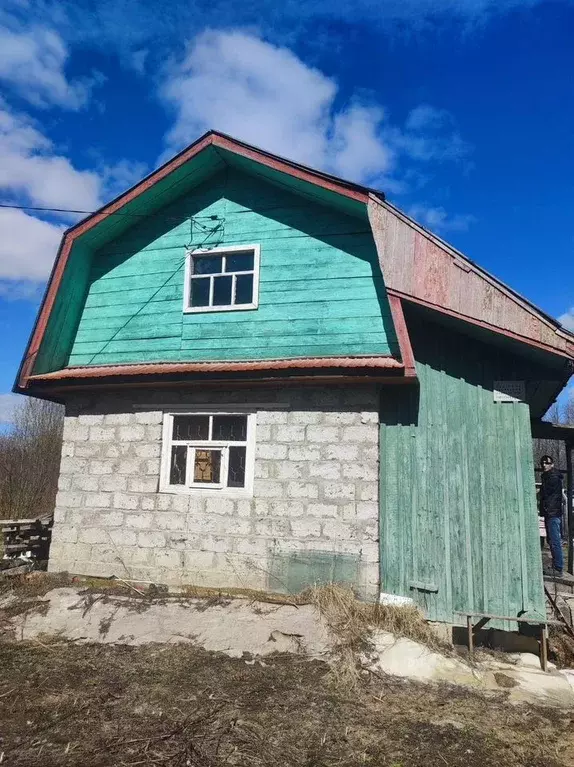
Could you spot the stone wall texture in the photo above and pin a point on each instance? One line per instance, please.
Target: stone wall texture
(315, 497)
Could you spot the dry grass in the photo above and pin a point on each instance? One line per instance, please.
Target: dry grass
(64, 705)
(353, 620)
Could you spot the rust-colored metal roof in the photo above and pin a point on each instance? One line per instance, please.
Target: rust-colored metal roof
(418, 266)
(166, 368)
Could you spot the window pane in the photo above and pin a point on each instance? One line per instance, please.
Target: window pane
(222, 291)
(191, 427)
(199, 295)
(244, 289)
(178, 464)
(207, 467)
(236, 472)
(232, 428)
(207, 264)
(239, 262)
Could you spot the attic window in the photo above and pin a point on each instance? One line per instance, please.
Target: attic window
(222, 279)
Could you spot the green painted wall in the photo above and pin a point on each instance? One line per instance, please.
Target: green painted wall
(63, 322)
(458, 508)
(321, 290)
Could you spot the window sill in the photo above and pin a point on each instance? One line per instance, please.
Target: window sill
(240, 492)
(206, 309)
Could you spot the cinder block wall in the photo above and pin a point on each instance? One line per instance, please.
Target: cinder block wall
(314, 510)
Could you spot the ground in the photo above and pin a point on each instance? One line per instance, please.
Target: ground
(108, 705)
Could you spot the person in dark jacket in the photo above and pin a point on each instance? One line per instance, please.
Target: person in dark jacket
(551, 494)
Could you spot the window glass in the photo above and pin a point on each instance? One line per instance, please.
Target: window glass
(207, 264)
(244, 289)
(236, 470)
(200, 292)
(231, 428)
(239, 262)
(178, 465)
(207, 466)
(191, 427)
(222, 291)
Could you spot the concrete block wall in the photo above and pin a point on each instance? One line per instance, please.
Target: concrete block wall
(315, 489)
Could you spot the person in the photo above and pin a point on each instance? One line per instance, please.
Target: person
(551, 497)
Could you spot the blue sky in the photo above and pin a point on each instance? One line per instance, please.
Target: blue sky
(462, 111)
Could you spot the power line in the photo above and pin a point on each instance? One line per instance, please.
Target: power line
(179, 218)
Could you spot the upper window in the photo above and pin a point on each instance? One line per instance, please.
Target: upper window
(222, 279)
(207, 451)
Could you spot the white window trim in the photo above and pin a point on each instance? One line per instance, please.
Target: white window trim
(212, 492)
(187, 309)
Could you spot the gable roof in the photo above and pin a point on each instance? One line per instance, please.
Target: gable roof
(418, 279)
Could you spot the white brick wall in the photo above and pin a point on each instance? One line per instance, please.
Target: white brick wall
(315, 489)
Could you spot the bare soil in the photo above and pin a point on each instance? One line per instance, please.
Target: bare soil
(101, 705)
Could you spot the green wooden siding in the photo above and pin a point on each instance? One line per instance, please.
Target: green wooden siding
(458, 507)
(321, 289)
(63, 322)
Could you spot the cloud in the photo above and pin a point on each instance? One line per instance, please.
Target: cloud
(120, 176)
(32, 62)
(28, 246)
(31, 167)
(567, 320)
(430, 134)
(438, 220)
(239, 84)
(131, 25)
(32, 172)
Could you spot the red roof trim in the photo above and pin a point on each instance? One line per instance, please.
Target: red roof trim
(211, 138)
(403, 337)
(166, 368)
(480, 323)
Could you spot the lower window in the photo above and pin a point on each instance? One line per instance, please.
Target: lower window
(210, 452)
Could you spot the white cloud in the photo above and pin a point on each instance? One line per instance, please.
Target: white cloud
(32, 172)
(238, 84)
(430, 134)
(567, 320)
(33, 61)
(121, 175)
(28, 246)
(31, 167)
(438, 220)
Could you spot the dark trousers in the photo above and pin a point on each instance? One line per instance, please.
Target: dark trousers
(554, 537)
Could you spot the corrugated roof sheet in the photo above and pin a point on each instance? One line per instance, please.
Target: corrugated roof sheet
(306, 363)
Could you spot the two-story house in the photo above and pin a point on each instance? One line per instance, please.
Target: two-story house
(272, 378)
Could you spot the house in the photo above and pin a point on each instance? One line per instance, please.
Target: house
(273, 377)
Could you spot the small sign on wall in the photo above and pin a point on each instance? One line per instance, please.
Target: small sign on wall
(509, 391)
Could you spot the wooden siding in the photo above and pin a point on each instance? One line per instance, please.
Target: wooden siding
(321, 289)
(64, 317)
(416, 264)
(458, 508)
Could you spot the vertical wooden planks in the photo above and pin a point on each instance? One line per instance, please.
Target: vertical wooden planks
(469, 512)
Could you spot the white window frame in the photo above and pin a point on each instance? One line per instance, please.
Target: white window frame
(220, 489)
(255, 249)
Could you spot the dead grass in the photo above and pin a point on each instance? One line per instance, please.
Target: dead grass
(561, 648)
(352, 623)
(353, 620)
(109, 706)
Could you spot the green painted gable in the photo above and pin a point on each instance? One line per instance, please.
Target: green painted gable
(321, 289)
